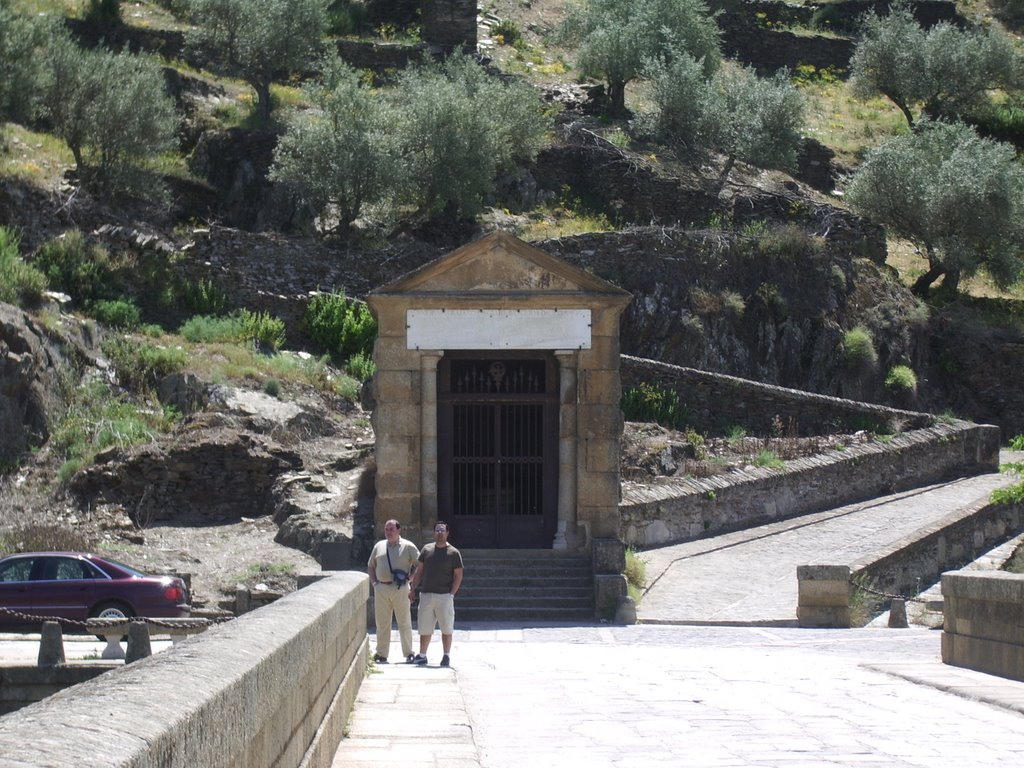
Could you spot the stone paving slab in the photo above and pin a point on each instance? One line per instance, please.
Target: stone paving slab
(661, 695)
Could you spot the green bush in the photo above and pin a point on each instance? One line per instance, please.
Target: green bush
(103, 13)
(117, 313)
(766, 458)
(341, 326)
(508, 31)
(212, 330)
(636, 574)
(361, 366)
(649, 402)
(141, 366)
(272, 387)
(859, 350)
(263, 329)
(73, 266)
(204, 298)
(350, 18)
(20, 283)
(1017, 443)
(901, 379)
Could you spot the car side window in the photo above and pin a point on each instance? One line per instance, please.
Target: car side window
(67, 568)
(16, 570)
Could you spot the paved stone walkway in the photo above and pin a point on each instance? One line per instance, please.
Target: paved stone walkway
(657, 695)
(662, 693)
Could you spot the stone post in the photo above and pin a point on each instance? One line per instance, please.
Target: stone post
(428, 438)
(51, 645)
(567, 442)
(823, 595)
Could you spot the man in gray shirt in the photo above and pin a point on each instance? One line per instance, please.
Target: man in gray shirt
(437, 579)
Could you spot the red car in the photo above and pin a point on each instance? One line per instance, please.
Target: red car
(74, 585)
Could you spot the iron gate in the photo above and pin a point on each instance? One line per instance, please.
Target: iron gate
(497, 444)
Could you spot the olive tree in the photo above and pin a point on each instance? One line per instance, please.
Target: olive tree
(955, 195)
(944, 71)
(335, 155)
(259, 39)
(615, 38)
(454, 129)
(112, 110)
(22, 39)
(734, 113)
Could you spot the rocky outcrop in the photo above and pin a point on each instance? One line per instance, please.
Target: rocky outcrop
(32, 365)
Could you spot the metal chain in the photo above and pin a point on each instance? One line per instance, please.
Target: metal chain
(886, 595)
(198, 623)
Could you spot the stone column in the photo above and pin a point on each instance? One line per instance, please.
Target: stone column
(567, 445)
(428, 437)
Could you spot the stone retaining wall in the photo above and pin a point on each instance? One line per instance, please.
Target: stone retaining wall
(271, 688)
(984, 622)
(655, 515)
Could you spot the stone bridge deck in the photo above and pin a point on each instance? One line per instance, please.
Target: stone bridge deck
(749, 577)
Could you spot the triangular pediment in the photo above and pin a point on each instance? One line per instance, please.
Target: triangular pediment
(498, 263)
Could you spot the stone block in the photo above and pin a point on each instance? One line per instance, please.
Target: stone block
(609, 556)
(600, 387)
(608, 589)
(392, 386)
(601, 454)
(823, 617)
(598, 489)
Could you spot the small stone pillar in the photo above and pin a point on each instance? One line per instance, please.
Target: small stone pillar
(898, 613)
(138, 642)
(823, 596)
(51, 645)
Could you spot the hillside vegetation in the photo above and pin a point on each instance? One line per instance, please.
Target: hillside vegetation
(201, 193)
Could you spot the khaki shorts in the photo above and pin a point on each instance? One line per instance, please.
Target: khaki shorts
(436, 609)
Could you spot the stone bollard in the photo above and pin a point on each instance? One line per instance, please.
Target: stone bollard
(138, 642)
(51, 645)
(898, 613)
(625, 613)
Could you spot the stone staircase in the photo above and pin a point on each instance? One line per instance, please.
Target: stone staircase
(523, 585)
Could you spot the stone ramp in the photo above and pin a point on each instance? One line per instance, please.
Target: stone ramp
(749, 577)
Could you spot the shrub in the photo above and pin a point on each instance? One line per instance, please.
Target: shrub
(141, 366)
(44, 537)
(204, 298)
(20, 283)
(636, 574)
(859, 350)
(117, 313)
(272, 387)
(361, 366)
(341, 326)
(901, 379)
(103, 13)
(766, 458)
(73, 266)
(789, 240)
(1017, 443)
(649, 402)
(263, 329)
(205, 329)
(508, 31)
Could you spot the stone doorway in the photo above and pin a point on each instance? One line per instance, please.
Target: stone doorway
(498, 449)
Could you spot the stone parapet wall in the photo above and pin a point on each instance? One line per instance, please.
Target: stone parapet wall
(271, 688)
(655, 515)
(21, 686)
(827, 593)
(715, 401)
(984, 622)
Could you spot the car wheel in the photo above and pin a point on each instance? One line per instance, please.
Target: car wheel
(111, 610)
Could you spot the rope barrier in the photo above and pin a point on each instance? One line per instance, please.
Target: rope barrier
(197, 623)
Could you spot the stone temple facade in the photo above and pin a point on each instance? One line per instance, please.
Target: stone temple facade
(498, 400)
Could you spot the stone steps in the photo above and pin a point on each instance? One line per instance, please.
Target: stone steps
(525, 585)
